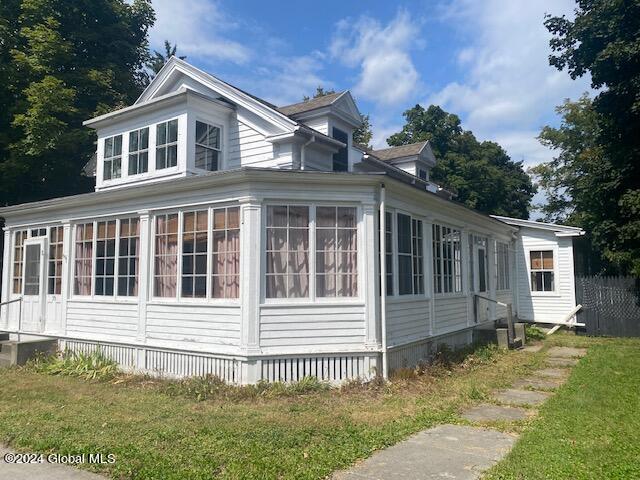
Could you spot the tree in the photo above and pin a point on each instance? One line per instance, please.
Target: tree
(603, 41)
(62, 62)
(158, 59)
(363, 134)
(482, 174)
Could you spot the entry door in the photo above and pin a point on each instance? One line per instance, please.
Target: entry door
(480, 281)
(33, 286)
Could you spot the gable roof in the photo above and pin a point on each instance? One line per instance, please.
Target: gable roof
(311, 104)
(401, 151)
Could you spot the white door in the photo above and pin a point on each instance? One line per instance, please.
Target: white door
(480, 281)
(33, 286)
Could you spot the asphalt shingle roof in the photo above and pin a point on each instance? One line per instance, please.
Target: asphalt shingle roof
(310, 104)
(399, 152)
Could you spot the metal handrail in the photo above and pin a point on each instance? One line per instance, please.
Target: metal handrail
(19, 299)
(510, 327)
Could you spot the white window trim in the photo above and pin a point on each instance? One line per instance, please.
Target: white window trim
(463, 258)
(105, 159)
(208, 299)
(155, 145)
(507, 269)
(556, 278)
(150, 147)
(312, 298)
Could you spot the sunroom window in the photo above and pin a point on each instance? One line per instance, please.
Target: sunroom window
(139, 151)
(18, 248)
(112, 157)
(410, 256)
(167, 144)
(207, 146)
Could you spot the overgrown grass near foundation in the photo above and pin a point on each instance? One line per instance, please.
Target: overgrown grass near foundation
(590, 429)
(204, 429)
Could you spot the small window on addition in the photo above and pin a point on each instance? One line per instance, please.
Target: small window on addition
(112, 157)
(542, 271)
(207, 147)
(167, 144)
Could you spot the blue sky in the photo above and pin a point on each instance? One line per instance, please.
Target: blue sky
(483, 60)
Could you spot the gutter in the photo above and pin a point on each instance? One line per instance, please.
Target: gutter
(383, 281)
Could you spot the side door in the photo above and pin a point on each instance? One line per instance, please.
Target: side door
(33, 285)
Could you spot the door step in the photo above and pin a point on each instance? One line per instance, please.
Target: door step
(18, 353)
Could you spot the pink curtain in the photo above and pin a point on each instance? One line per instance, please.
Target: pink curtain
(226, 253)
(84, 258)
(166, 261)
(336, 252)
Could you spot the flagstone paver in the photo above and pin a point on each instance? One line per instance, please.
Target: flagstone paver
(566, 352)
(514, 396)
(532, 348)
(538, 383)
(562, 362)
(487, 412)
(553, 372)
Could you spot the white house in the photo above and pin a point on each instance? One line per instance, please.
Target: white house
(229, 236)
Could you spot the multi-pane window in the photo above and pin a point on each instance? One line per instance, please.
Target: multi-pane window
(128, 254)
(447, 260)
(336, 252)
(341, 159)
(207, 146)
(112, 157)
(166, 256)
(410, 255)
(139, 151)
(38, 232)
(54, 277)
(194, 254)
(287, 251)
(225, 262)
(105, 258)
(502, 262)
(542, 270)
(83, 259)
(18, 248)
(388, 254)
(167, 144)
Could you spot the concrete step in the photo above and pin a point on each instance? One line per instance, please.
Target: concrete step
(18, 353)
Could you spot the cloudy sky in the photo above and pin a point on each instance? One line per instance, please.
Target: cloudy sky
(486, 61)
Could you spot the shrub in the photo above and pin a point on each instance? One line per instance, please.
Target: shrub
(534, 333)
(90, 366)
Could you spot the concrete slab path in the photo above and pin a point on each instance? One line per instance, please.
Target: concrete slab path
(514, 396)
(562, 373)
(538, 383)
(487, 412)
(40, 471)
(447, 451)
(562, 362)
(566, 352)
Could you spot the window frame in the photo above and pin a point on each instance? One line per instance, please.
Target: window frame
(178, 299)
(57, 262)
(140, 151)
(165, 146)
(556, 278)
(456, 277)
(220, 150)
(312, 298)
(110, 159)
(72, 263)
(505, 280)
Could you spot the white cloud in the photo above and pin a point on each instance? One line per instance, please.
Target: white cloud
(509, 91)
(382, 53)
(197, 27)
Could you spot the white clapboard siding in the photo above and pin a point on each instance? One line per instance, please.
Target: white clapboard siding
(546, 306)
(320, 124)
(314, 325)
(193, 324)
(101, 320)
(407, 321)
(450, 314)
(248, 147)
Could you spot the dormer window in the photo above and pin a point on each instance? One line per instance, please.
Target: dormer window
(139, 151)
(112, 157)
(207, 146)
(167, 144)
(422, 174)
(341, 159)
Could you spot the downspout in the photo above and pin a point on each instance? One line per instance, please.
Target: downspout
(302, 151)
(383, 281)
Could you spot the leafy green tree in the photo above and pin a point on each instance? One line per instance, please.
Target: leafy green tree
(604, 41)
(361, 135)
(482, 174)
(158, 59)
(62, 62)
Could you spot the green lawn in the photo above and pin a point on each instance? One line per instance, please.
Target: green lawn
(159, 435)
(591, 428)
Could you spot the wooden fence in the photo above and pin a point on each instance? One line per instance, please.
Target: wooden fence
(610, 305)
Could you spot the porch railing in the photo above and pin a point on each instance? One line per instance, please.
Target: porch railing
(15, 300)
(510, 327)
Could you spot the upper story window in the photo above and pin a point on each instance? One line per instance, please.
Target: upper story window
(542, 270)
(167, 144)
(341, 159)
(422, 174)
(112, 157)
(207, 146)
(139, 151)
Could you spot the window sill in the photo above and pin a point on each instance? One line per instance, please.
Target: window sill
(407, 298)
(439, 296)
(194, 303)
(545, 294)
(111, 300)
(306, 302)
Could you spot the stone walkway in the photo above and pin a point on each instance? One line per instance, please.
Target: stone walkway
(464, 452)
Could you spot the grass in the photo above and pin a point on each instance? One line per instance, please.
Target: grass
(203, 429)
(591, 428)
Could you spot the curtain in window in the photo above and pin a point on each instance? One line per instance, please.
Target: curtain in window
(226, 253)
(83, 259)
(166, 256)
(336, 252)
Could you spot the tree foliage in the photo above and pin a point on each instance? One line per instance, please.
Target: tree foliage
(361, 135)
(483, 175)
(62, 62)
(599, 143)
(158, 59)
